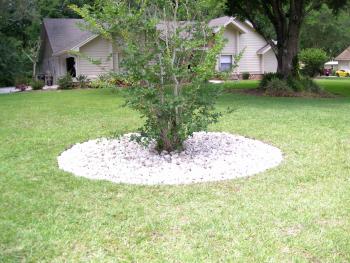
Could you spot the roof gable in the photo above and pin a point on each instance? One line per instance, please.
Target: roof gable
(224, 21)
(64, 33)
(345, 55)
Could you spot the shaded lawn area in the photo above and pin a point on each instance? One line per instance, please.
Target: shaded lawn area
(297, 212)
(338, 86)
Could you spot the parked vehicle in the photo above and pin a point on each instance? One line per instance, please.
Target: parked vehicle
(327, 71)
(342, 73)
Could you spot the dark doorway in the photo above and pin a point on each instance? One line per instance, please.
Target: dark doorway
(71, 66)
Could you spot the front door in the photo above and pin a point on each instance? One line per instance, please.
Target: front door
(70, 64)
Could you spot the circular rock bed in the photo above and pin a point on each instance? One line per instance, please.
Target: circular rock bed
(207, 156)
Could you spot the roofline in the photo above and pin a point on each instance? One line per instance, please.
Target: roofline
(46, 34)
(76, 47)
(341, 59)
(264, 50)
(85, 42)
(232, 21)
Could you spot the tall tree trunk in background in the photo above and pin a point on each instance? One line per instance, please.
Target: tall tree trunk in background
(288, 28)
(287, 52)
(34, 70)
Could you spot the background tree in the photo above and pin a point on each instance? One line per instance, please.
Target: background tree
(286, 18)
(326, 30)
(20, 25)
(165, 50)
(32, 52)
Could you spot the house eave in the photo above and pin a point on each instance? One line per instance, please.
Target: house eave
(76, 47)
(342, 59)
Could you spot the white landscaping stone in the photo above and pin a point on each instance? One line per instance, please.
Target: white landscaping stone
(207, 156)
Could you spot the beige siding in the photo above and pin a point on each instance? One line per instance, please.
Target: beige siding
(252, 42)
(230, 36)
(344, 64)
(98, 49)
(270, 62)
(230, 48)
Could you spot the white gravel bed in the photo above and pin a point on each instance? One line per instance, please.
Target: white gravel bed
(207, 156)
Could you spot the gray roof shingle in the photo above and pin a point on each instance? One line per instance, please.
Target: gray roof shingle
(345, 55)
(64, 33)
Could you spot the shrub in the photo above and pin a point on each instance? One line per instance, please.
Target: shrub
(65, 82)
(267, 78)
(121, 79)
(37, 84)
(294, 84)
(222, 75)
(114, 79)
(245, 75)
(278, 87)
(310, 85)
(22, 82)
(101, 84)
(82, 81)
(313, 60)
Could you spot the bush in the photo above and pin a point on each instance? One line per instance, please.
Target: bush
(37, 84)
(294, 85)
(245, 75)
(313, 60)
(101, 84)
(82, 81)
(267, 78)
(22, 82)
(310, 85)
(65, 82)
(112, 80)
(117, 79)
(278, 87)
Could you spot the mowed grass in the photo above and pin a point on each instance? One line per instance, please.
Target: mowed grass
(297, 212)
(338, 86)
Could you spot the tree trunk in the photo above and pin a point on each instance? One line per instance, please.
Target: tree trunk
(287, 57)
(288, 27)
(287, 50)
(34, 71)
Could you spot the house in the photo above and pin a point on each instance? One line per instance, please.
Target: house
(344, 59)
(67, 49)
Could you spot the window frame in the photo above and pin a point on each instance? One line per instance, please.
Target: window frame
(230, 64)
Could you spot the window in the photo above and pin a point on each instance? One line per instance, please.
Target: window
(225, 62)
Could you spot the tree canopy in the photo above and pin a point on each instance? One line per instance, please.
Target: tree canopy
(326, 30)
(286, 18)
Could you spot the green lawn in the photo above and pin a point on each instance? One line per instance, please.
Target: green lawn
(298, 212)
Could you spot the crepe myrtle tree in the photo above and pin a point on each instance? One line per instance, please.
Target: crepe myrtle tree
(280, 19)
(170, 53)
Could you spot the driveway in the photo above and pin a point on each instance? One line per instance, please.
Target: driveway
(8, 90)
